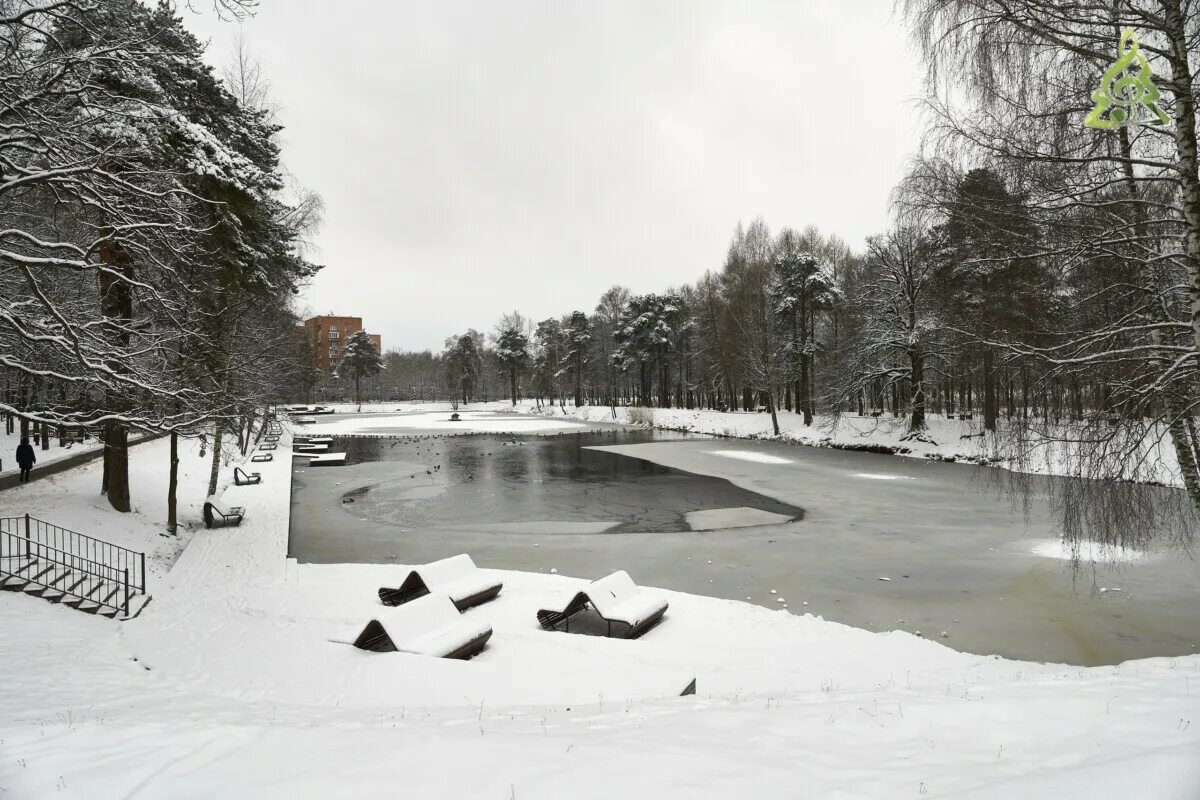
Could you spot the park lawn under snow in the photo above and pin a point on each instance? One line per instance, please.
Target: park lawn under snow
(236, 682)
(72, 500)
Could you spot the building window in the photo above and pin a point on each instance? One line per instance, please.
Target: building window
(333, 336)
(333, 352)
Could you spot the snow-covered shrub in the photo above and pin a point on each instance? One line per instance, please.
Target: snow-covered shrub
(640, 415)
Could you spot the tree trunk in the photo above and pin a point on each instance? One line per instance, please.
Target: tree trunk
(797, 358)
(172, 485)
(810, 408)
(990, 401)
(215, 472)
(805, 399)
(1189, 184)
(116, 458)
(104, 460)
(917, 385)
(116, 306)
(805, 389)
(774, 416)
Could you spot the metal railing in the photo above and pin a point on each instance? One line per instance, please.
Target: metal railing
(71, 563)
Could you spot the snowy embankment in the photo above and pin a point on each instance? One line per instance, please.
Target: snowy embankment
(236, 681)
(1149, 460)
(473, 421)
(943, 439)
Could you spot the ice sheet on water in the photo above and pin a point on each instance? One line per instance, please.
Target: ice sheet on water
(750, 455)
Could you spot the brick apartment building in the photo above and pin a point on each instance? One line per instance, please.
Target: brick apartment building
(328, 336)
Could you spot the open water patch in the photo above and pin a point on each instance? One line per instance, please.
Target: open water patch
(548, 483)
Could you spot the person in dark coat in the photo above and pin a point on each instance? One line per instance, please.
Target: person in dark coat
(25, 458)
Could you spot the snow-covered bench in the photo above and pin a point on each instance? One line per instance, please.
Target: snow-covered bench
(261, 457)
(268, 446)
(456, 577)
(243, 478)
(314, 440)
(626, 610)
(326, 459)
(310, 448)
(217, 513)
(428, 626)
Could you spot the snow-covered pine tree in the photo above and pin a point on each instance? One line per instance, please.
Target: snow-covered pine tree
(462, 365)
(800, 287)
(577, 339)
(903, 329)
(605, 319)
(548, 358)
(512, 349)
(145, 161)
(362, 360)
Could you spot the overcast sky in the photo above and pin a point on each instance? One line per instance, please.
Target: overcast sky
(480, 157)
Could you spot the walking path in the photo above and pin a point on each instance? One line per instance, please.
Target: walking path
(67, 461)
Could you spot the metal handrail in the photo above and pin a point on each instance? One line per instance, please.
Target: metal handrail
(114, 557)
(73, 575)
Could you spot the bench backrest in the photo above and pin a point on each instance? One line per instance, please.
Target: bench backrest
(238, 472)
(610, 591)
(418, 618)
(217, 505)
(448, 569)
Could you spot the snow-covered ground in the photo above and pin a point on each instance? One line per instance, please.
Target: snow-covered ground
(236, 682)
(72, 500)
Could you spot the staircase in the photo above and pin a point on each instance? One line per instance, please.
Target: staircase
(66, 567)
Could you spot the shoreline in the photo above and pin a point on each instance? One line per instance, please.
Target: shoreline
(856, 539)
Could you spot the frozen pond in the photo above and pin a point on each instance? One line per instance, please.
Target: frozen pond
(558, 483)
(875, 541)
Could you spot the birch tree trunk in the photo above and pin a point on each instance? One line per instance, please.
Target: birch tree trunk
(215, 472)
(1189, 185)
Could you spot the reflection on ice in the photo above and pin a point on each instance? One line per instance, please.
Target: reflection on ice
(882, 476)
(1093, 552)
